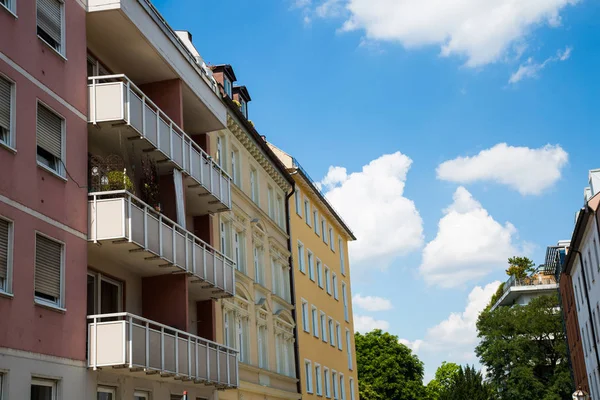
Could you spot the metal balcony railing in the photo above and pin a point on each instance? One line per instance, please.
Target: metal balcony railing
(125, 340)
(115, 98)
(529, 281)
(118, 216)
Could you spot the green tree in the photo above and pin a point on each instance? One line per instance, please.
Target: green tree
(524, 351)
(387, 369)
(520, 267)
(467, 383)
(444, 378)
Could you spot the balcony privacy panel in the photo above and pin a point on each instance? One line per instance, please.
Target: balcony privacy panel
(151, 131)
(212, 361)
(106, 102)
(164, 133)
(180, 250)
(109, 346)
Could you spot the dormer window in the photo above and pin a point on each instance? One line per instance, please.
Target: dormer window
(244, 107)
(227, 86)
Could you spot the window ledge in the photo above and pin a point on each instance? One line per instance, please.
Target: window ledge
(9, 11)
(8, 146)
(6, 294)
(49, 306)
(52, 172)
(53, 49)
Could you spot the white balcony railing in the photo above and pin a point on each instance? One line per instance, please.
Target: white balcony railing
(114, 98)
(128, 341)
(118, 216)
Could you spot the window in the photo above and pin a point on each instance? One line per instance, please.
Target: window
(342, 388)
(242, 339)
(253, 185)
(591, 265)
(331, 243)
(104, 295)
(351, 389)
(219, 156)
(597, 255)
(259, 268)
(229, 328)
(335, 384)
(349, 350)
(235, 167)
(338, 335)
(345, 301)
(305, 322)
(335, 286)
(301, 266)
(244, 107)
(308, 374)
(280, 211)
(298, 199)
(141, 396)
(315, 321)
(48, 270)
(324, 229)
(327, 281)
(586, 266)
(316, 221)
(50, 128)
(589, 337)
(319, 273)
(6, 108)
(43, 389)
(311, 266)
(323, 327)
(318, 380)
(307, 210)
(341, 250)
(331, 333)
(227, 87)
(9, 4)
(6, 249)
(327, 382)
(225, 239)
(239, 251)
(107, 393)
(50, 15)
(263, 345)
(270, 202)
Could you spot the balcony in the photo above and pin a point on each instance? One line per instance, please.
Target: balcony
(533, 286)
(135, 344)
(133, 234)
(117, 104)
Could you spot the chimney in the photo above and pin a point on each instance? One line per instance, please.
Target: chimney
(594, 179)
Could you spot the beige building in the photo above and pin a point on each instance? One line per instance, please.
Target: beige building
(258, 321)
(323, 297)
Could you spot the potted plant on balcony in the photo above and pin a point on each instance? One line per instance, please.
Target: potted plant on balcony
(117, 180)
(150, 183)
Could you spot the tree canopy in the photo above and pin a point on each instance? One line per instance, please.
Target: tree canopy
(453, 382)
(520, 267)
(387, 369)
(524, 351)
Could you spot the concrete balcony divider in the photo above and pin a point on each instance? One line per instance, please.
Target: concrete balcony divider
(115, 99)
(124, 340)
(118, 217)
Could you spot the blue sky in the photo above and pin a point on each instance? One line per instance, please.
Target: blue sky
(344, 82)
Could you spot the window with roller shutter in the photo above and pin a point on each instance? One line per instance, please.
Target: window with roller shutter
(50, 23)
(50, 130)
(5, 254)
(48, 270)
(6, 100)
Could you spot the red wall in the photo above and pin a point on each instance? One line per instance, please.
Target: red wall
(205, 315)
(168, 96)
(165, 300)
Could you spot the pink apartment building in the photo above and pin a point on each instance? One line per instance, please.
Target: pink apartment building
(108, 272)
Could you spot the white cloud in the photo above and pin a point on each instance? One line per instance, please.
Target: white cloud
(483, 31)
(469, 244)
(371, 303)
(455, 338)
(372, 201)
(364, 324)
(329, 9)
(529, 171)
(531, 69)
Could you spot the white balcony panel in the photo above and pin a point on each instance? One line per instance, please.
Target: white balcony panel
(133, 233)
(126, 340)
(116, 103)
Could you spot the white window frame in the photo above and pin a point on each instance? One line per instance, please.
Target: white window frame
(305, 316)
(331, 241)
(239, 251)
(345, 301)
(314, 313)
(331, 328)
(349, 350)
(60, 303)
(109, 390)
(254, 192)
(324, 229)
(244, 107)
(323, 318)
(298, 200)
(327, 379)
(328, 280)
(227, 86)
(338, 335)
(318, 380)
(319, 273)
(351, 383)
(342, 387)
(52, 383)
(301, 264)
(315, 217)
(308, 214)
(335, 285)
(62, 161)
(308, 372)
(311, 265)
(279, 210)
(342, 257)
(6, 287)
(259, 265)
(334, 380)
(141, 394)
(62, 51)
(270, 202)
(11, 144)
(235, 166)
(11, 7)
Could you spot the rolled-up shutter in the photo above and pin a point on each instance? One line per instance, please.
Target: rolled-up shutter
(4, 229)
(5, 99)
(49, 131)
(48, 255)
(49, 18)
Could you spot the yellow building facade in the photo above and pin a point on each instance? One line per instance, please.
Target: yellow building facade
(258, 321)
(323, 299)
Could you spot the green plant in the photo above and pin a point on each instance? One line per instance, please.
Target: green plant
(117, 180)
(237, 103)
